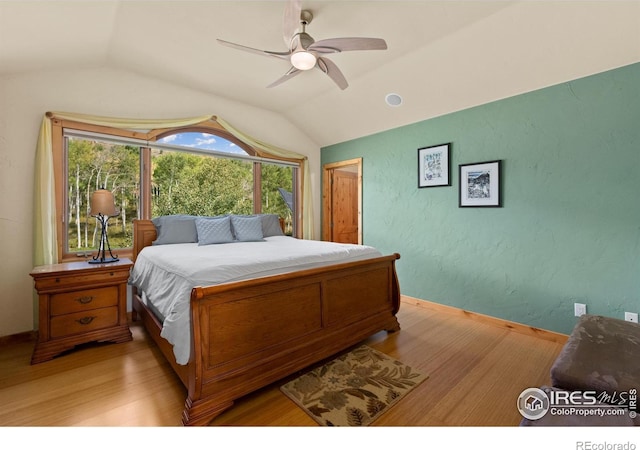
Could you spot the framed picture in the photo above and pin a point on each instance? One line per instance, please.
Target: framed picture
(480, 184)
(433, 166)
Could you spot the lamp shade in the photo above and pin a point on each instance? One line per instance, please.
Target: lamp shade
(102, 202)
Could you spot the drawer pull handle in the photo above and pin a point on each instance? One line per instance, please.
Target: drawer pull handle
(85, 300)
(86, 320)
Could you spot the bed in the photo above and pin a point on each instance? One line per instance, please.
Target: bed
(228, 335)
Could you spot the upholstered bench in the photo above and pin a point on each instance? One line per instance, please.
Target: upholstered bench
(601, 354)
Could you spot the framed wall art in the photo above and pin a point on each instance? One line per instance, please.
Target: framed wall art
(433, 166)
(480, 184)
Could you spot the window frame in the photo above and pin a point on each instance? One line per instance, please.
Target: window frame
(60, 167)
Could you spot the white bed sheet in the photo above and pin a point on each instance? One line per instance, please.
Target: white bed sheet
(167, 273)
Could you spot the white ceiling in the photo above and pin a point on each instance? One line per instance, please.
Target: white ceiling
(442, 56)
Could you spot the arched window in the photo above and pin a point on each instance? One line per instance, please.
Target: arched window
(197, 170)
(202, 140)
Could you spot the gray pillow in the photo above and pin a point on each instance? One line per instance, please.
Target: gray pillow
(247, 228)
(214, 230)
(175, 229)
(271, 225)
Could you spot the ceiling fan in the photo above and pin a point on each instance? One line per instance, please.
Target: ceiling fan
(305, 53)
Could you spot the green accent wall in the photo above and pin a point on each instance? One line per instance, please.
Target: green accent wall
(569, 228)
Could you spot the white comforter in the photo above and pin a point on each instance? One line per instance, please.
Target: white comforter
(167, 273)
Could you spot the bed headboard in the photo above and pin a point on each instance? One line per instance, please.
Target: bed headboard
(144, 233)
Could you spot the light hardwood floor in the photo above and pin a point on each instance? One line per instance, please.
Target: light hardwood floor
(476, 371)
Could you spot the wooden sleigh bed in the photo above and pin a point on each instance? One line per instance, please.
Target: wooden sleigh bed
(249, 334)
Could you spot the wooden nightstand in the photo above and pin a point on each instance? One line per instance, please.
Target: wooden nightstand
(78, 303)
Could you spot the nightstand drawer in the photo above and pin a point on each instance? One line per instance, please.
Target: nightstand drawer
(66, 282)
(75, 301)
(83, 321)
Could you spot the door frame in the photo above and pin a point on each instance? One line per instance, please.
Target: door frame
(327, 213)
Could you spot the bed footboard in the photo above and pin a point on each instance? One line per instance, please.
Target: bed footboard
(250, 334)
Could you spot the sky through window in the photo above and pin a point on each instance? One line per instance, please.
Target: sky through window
(202, 141)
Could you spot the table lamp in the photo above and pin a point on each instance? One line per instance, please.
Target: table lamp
(103, 207)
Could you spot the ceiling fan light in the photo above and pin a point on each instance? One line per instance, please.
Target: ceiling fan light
(303, 60)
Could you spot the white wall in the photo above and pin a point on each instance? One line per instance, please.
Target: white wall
(23, 101)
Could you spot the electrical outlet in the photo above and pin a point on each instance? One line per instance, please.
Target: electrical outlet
(631, 317)
(579, 309)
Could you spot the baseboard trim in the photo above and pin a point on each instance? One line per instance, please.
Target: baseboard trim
(502, 323)
(19, 338)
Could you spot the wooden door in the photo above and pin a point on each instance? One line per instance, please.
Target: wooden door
(342, 193)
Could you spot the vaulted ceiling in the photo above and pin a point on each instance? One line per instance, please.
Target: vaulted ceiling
(442, 56)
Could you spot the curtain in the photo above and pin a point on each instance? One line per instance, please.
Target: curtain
(45, 221)
(45, 227)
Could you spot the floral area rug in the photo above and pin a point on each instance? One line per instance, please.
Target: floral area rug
(354, 389)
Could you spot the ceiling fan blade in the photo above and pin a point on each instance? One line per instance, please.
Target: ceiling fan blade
(291, 20)
(286, 77)
(280, 55)
(329, 67)
(337, 45)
